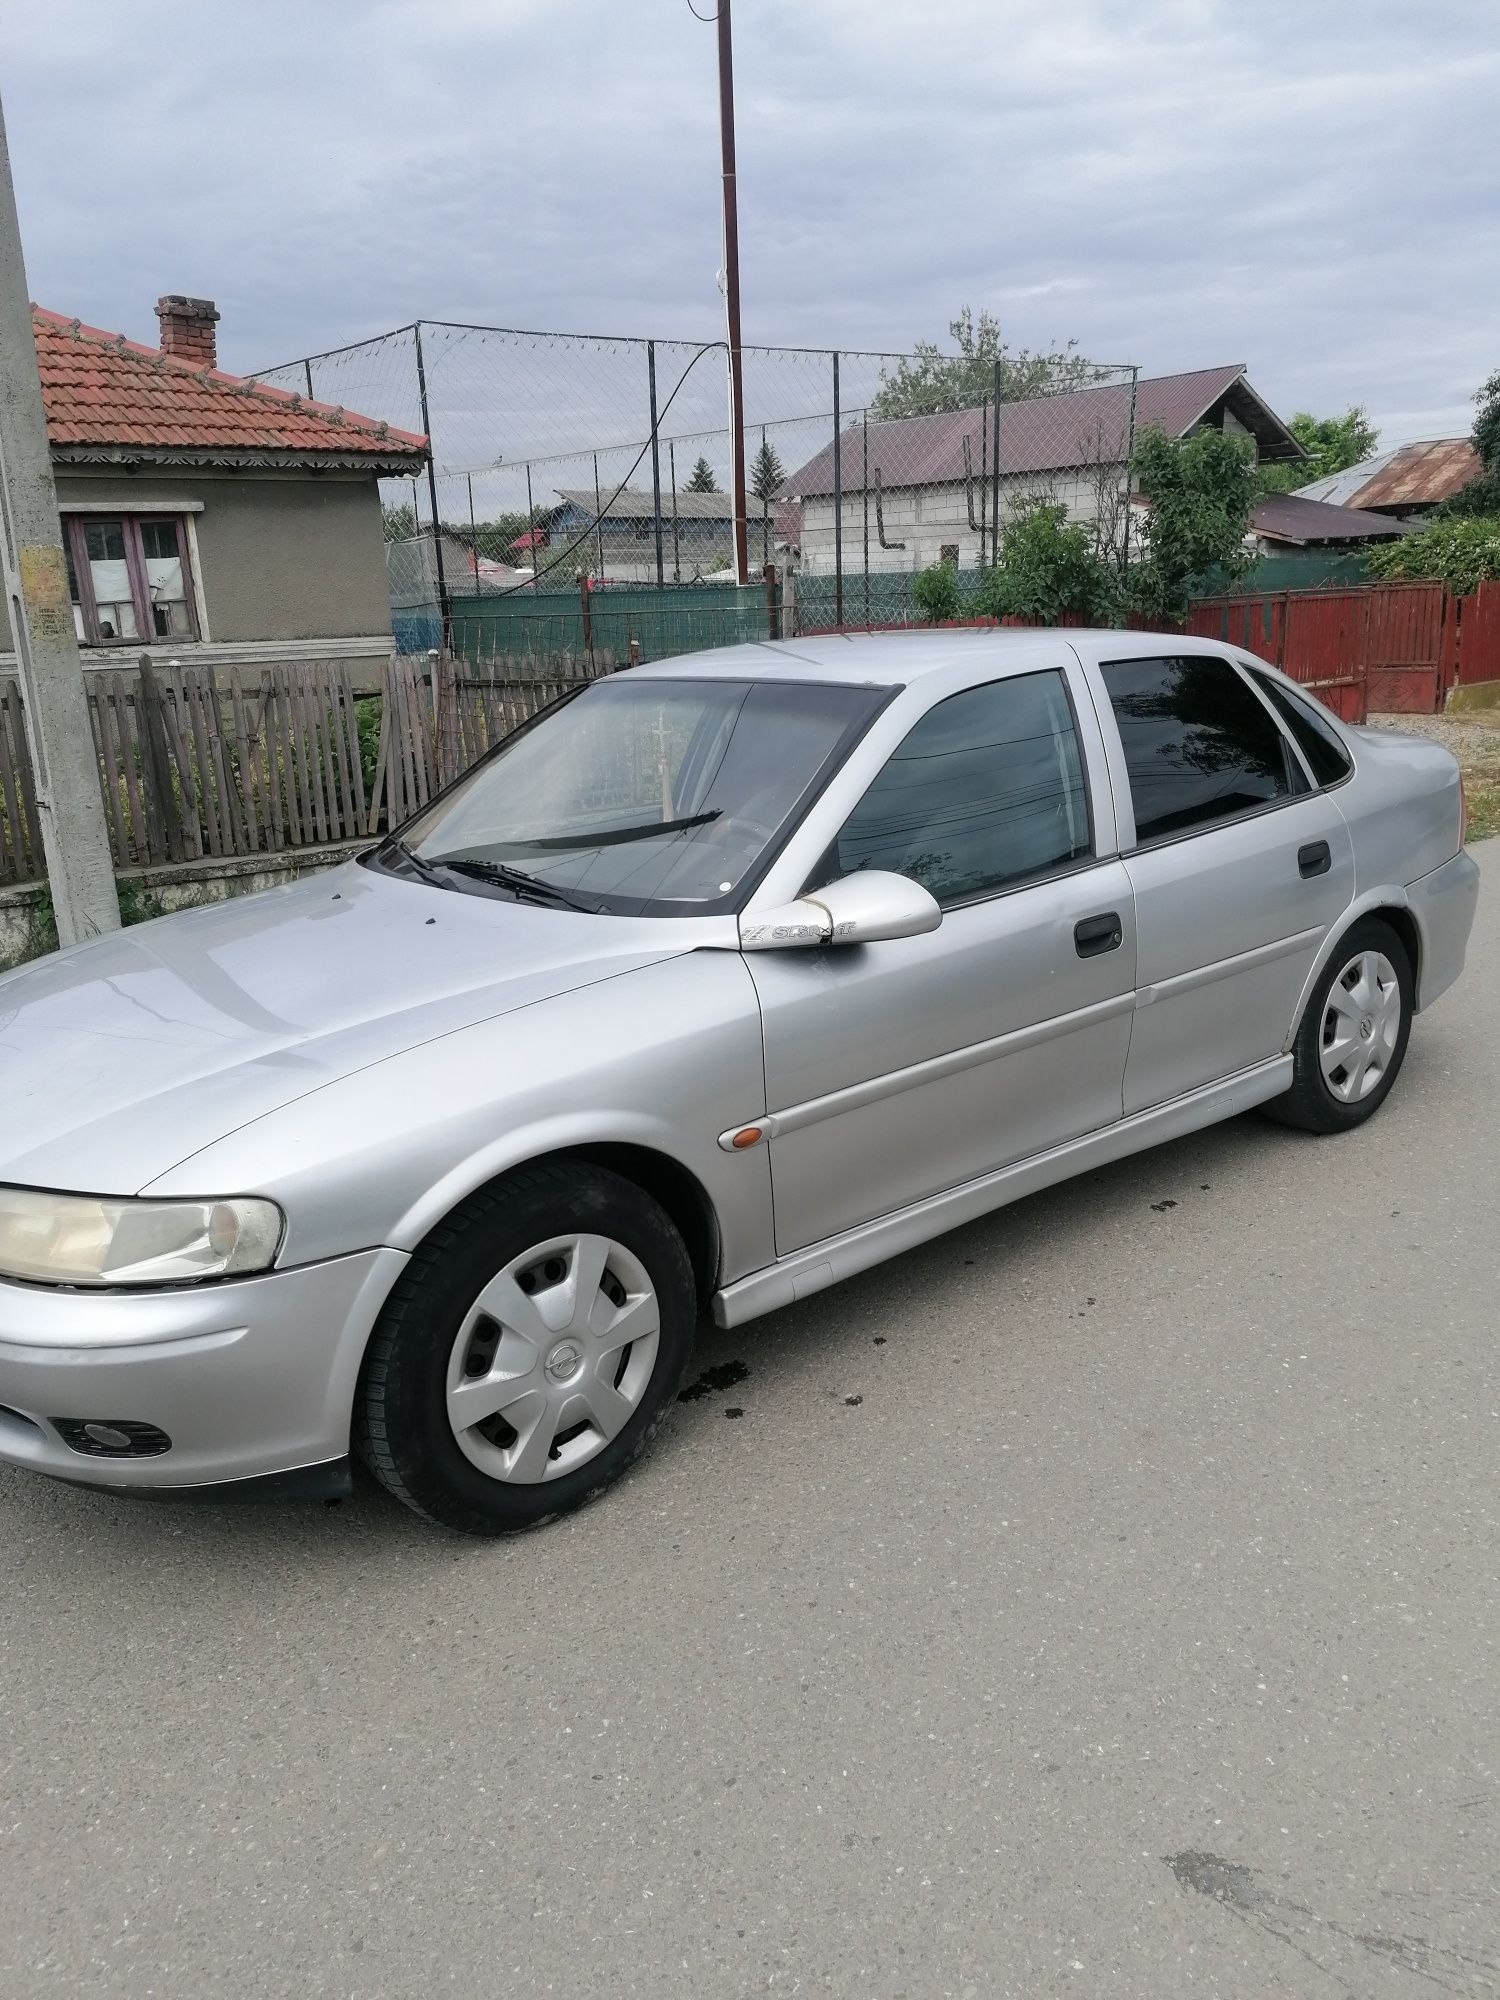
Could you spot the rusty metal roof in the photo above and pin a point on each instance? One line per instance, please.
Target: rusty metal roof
(1291, 517)
(1044, 433)
(1419, 475)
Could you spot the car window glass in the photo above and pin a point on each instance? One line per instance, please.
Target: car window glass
(1198, 745)
(1316, 736)
(987, 789)
(646, 795)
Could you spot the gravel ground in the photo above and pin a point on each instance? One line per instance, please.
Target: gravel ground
(1473, 742)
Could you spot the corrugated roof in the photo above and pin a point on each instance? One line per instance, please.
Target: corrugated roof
(628, 505)
(1040, 434)
(1420, 475)
(1292, 517)
(102, 392)
(1406, 475)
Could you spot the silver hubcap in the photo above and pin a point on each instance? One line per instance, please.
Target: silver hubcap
(553, 1358)
(1361, 1025)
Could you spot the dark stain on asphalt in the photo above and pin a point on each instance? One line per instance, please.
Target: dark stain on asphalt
(879, 1340)
(723, 1375)
(1239, 1891)
(734, 1411)
(854, 1401)
(1160, 1207)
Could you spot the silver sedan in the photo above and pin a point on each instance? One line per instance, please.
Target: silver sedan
(721, 980)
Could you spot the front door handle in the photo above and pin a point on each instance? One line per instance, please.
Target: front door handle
(1095, 934)
(1315, 858)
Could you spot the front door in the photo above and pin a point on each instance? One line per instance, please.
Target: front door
(1239, 868)
(897, 1070)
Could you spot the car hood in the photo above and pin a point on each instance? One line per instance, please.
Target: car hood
(121, 1057)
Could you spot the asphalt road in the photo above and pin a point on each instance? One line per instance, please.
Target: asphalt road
(1099, 1601)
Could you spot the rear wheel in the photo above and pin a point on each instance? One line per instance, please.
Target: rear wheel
(1352, 1038)
(530, 1352)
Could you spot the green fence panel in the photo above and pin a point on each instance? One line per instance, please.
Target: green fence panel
(687, 618)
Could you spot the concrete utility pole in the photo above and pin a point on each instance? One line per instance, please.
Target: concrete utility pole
(70, 804)
(732, 290)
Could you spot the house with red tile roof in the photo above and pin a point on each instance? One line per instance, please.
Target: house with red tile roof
(920, 490)
(207, 516)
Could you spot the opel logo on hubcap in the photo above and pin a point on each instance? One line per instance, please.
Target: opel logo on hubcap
(564, 1359)
(1367, 1027)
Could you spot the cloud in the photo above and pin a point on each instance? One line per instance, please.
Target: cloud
(1312, 190)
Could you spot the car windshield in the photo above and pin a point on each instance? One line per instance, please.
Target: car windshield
(640, 795)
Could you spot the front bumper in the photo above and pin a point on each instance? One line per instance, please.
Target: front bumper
(247, 1378)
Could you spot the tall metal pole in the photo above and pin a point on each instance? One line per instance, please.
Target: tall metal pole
(995, 478)
(838, 503)
(676, 538)
(732, 290)
(1135, 376)
(655, 461)
(531, 530)
(445, 609)
(70, 803)
(598, 518)
(865, 496)
(307, 377)
(473, 532)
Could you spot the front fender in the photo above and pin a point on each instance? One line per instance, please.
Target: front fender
(667, 1057)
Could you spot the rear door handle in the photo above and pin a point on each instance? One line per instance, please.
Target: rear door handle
(1091, 935)
(1315, 858)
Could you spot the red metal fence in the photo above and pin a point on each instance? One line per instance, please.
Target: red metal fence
(1391, 646)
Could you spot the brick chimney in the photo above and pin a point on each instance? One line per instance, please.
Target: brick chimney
(187, 329)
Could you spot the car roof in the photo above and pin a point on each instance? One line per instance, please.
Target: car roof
(897, 659)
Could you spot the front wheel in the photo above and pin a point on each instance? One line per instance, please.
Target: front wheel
(1352, 1037)
(530, 1351)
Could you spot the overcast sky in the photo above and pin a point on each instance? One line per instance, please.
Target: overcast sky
(1309, 186)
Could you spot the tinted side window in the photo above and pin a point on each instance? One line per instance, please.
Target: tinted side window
(1316, 736)
(987, 788)
(1198, 745)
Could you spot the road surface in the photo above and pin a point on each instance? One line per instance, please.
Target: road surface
(1099, 1601)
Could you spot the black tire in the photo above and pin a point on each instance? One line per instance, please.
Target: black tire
(401, 1427)
(1310, 1104)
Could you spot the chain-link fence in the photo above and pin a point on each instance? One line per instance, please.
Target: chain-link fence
(582, 487)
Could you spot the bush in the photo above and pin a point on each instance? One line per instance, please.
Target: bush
(1201, 491)
(934, 591)
(1461, 554)
(1048, 566)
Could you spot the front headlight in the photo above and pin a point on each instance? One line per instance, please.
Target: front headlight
(74, 1239)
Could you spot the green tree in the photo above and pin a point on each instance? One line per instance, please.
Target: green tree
(929, 380)
(1201, 490)
(1048, 566)
(701, 478)
(767, 473)
(934, 591)
(1332, 445)
(1481, 497)
(1459, 553)
(400, 523)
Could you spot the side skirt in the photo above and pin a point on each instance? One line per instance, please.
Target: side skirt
(822, 1264)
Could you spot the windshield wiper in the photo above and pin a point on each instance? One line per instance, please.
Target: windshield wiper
(419, 865)
(615, 835)
(522, 886)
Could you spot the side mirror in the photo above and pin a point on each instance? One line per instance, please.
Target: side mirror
(864, 908)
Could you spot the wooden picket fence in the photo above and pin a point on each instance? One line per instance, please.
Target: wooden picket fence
(199, 768)
(480, 703)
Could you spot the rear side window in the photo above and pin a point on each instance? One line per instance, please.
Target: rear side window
(988, 789)
(1198, 745)
(1316, 736)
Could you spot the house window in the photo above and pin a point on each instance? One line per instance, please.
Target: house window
(128, 576)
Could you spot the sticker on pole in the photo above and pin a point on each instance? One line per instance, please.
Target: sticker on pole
(44, 591)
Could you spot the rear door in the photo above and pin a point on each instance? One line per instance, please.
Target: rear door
(896, 1070)
(1239, 867)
